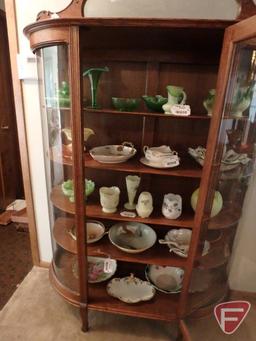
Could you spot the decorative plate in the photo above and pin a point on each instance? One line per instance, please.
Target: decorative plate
(96, 273)
(130, 289)
(172, 163)
(132, 237)
(113, 153)
(167, 279)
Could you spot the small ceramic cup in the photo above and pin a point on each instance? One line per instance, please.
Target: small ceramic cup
(172, 206)
(109, 199)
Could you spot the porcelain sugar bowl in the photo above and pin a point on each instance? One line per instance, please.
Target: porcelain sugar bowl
(172, 206)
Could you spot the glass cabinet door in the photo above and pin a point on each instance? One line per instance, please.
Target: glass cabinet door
(234, 161)
(56, 117)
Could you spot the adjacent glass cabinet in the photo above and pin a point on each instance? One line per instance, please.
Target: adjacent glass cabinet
(149, 131)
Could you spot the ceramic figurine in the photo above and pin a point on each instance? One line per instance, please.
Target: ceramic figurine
(109, 199)
(172, 206)
(242, 100)
(176, 95)
(132, 184)
(144, 206)
(209, 101)
(94, 77)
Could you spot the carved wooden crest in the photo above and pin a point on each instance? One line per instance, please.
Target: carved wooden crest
(73, 10)
(76, 10)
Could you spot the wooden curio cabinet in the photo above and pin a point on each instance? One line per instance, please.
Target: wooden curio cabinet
(141, 57)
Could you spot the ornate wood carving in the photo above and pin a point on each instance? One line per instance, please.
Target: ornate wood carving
(73, 10)
(247, 9)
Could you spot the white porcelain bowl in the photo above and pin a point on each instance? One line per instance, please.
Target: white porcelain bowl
(167, 279)
(112, 153)
(95, 231)
(132, 237)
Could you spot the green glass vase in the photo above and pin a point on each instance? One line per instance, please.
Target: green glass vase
(94, 77)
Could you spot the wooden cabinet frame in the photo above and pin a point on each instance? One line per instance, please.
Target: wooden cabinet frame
(65, 29)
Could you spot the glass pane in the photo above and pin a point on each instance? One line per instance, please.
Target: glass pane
(234, 165)
(56, 117)
(196, 9)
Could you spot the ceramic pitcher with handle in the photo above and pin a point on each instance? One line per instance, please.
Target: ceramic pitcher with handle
(176, 95)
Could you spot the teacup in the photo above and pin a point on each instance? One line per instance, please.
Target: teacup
(158, 154)
(172, 206)
(109, 199)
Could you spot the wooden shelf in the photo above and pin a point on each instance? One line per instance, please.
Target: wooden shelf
(158, 254)
(228, 217)
(146, 113)
(158, 308)
(219, 252)
(60, 201)
(187, 168)
(187, 219)
(61, 235)
(62, 264)
(202, 300)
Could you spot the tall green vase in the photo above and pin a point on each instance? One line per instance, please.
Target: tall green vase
(94, 77)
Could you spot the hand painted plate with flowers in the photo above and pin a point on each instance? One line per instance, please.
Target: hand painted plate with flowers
(96, 272)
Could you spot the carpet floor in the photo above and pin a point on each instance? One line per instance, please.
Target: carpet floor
(36, 313)
(15, 260)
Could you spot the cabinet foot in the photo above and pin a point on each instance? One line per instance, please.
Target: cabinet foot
(84, 318)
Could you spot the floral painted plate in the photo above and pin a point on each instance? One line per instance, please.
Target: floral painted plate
(130, 289)
(96, 273)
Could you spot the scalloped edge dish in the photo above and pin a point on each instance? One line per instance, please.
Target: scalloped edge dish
(131, 289)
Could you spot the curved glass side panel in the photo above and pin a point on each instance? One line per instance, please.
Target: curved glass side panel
(56, 121)
(234, 166)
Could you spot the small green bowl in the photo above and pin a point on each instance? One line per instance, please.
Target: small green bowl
(155, 103)
(125, 104)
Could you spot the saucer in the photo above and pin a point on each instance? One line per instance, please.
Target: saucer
(158, 164)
